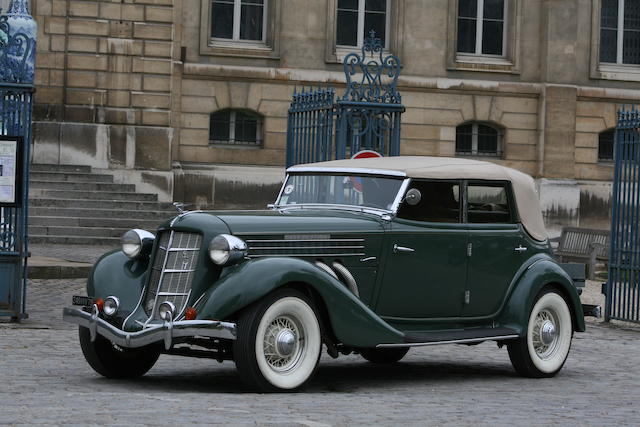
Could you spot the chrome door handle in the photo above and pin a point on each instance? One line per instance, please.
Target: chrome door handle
(521, 248)
(397, 249)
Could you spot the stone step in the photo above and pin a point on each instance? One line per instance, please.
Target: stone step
(59, 168)
(39, 230)
(94, 195)
(125, 223)
(81, 186)
(159, 215)
(113, 242)
(70, 177)
(101, 204)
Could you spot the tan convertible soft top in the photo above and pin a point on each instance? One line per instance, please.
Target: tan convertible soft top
(448, 168)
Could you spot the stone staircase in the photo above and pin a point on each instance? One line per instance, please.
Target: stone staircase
(74, 205)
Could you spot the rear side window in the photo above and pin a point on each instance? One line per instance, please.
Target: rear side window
(440, 202)
(488, 204)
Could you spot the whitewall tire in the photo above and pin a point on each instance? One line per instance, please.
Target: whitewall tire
(544, 349)
(279, 342)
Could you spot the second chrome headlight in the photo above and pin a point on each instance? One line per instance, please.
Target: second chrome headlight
(226, 249)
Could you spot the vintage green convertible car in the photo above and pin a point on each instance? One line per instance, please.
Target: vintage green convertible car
(369, 256)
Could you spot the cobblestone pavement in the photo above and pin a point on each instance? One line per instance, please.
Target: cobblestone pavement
(45, 380)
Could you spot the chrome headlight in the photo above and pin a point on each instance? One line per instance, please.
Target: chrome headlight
(111, 305)
(136, 241)
(225, 249)
(167, 311)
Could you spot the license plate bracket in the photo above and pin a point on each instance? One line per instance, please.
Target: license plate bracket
(82, 300)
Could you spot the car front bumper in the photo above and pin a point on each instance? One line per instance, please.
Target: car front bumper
(165, 331)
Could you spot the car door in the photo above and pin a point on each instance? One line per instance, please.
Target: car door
(497, 248)
(425, 267)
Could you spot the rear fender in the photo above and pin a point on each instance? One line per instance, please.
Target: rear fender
(352, 322)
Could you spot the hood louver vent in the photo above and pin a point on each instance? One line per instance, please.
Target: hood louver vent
(305, 246)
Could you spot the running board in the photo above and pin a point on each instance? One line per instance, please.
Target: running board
(465, 336)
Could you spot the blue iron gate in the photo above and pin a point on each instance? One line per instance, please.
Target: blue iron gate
(16, 92)
(367, 116)
(623, 295)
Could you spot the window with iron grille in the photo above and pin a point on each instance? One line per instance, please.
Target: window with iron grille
(356, 18)
(481, 27)
(620, 31)
(235, 127)
(605, 145)
(478, 139)
(239, 20)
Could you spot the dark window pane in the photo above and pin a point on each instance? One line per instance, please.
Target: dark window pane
(468, 8)
(631, 47)
(605, 145)
(251, 22)
(440, 202)
(261, 2)
(347, 28)
(493, 9)
(377, 5)
(487, 204)
(466, 35)
(219, 126)
(492, 37)
(487, 140)
(609, 14)
(377, 23)
(222, 20)
(246, 127)
(463, 139)
(348, 4)
(608, 45)
(632, 15)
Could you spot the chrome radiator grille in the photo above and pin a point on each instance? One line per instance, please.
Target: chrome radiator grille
(172, 272)
(305, 246)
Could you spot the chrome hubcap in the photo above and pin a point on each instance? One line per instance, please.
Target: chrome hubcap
(545, 334)
(283, 343)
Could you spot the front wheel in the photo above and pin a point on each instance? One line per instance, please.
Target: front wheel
(544, 349)
(279, 342)
(112, 361)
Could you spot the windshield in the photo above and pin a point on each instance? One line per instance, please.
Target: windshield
(356, 190)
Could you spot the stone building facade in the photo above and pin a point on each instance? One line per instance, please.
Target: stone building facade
(135, 86)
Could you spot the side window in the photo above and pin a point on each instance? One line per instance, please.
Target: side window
(488, 204)
(439, 202)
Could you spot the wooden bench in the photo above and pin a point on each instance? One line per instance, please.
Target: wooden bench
(584, 245)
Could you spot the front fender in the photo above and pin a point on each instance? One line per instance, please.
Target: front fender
(353, 323)
(542, 272)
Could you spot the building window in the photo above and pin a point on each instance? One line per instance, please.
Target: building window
(481, 27)
(605, 145)
(239, 20)
(356, 18)
(478, 139)
(235, 127)
(620, 31)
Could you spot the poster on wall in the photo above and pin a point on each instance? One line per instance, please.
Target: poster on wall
(10, 171)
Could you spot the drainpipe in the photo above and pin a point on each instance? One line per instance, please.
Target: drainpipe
(542, 112)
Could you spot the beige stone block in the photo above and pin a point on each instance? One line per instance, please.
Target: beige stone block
(590, 124)
(443, 116)
(519, 121)
(586, 155)
(49, 95)
(156, 117)
(195, 121)
(158, 14)
(447, 133)
(482, 107)
(59, 8)
(148, 100)
(590, 108)
(55, 25)
(194, 137)
(87, 62)
(274, 108)
(133, 12)
(423, 132)
(151, 66)
(255, 96)
(83, 44)
(520, 152)
(50, 60)
(156, 83)
(83, 8)
(518, 136)
(121, 29)
(274, 124)
(275, 140)
(155, 2)
(158, 49)
(95, 97)
(446, 148)
(120, 81)
(413, 116)
(412, 147)
(529, 167)
(599, 172)
(277, 92)
(110, 10)
(43, 7)
(93, 27)
(41, 77)
(57, 43)
(198, 104)
(198, 88)
(587, 140)
(514, 104)
(152, 31)
(116, 46)
(218, 154)
(87, 79)
(118, 98)
(119, 64)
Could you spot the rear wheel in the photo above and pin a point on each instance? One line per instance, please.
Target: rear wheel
(384, 355)
(279, 342)
(544, 349)
(113, 361)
